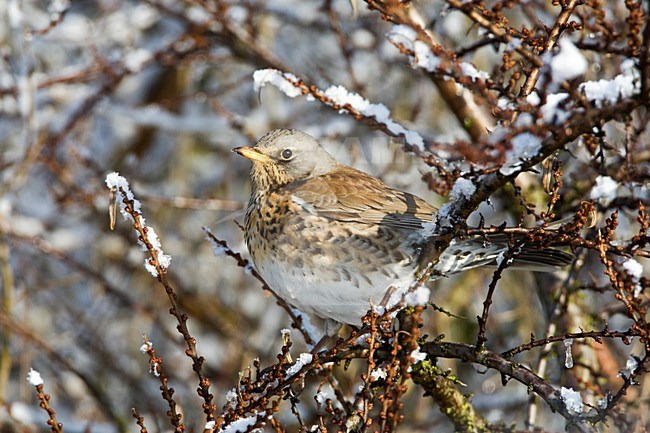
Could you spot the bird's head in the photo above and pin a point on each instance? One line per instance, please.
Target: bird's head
(283, 156)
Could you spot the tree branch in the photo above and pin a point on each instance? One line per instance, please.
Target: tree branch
(515, 370)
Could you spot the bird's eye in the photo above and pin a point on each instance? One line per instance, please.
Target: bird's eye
(287, 154)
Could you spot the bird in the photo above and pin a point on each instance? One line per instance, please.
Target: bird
(332, 241)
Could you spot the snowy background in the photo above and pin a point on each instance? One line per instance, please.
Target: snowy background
(161, 91)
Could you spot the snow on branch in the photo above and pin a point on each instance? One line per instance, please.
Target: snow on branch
(340, 99)
(625, 85)
(524, 147)
(284, 81)
(405, 38)
(527, 150)
(572, 400)
(242, 424)
(157, 265)
(147, 237)
(34, 377)
(559, 107)
(568, 63)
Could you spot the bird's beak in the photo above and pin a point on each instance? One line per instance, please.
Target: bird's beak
(252, 154)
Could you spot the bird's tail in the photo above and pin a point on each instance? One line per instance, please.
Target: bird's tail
(477, 251)
(541, 260)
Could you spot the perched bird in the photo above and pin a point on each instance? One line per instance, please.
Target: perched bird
(331, 240)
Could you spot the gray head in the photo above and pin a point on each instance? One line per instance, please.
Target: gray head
(285, 155)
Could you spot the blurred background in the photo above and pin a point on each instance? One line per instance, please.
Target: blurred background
(161, 91)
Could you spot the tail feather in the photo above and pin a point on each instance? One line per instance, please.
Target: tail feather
(475, 252)
(542, 260)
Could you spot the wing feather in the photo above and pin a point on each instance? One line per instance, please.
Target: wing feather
(349, 195)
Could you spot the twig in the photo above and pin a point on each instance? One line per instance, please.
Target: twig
(459, 210)
(159, 269)
(461, 102)
(553, 36)
(478, 14)
(139, 420)
(597, 336)
(44, 399)
(155, 366)
(507, 259)
(515, 370)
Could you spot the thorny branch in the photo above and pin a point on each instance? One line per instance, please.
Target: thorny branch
(197, 361)
(44, 400)
(155, 368)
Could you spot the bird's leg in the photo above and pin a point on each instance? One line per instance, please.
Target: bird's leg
(325, 339)
(332, 328)
(389, 293)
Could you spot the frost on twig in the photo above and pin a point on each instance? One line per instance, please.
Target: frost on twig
(130, 210)
(604, 191)
(155, 368)
(406, 39)
(34, 378)
(157, 266)
(524, 147)
(303, 359)
(625, 85)
(243, 424)
(341, 99)
(572, 400)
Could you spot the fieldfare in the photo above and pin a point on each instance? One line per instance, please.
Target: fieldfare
(331, 240)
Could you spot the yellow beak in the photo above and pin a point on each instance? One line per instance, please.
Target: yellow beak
(252, 154)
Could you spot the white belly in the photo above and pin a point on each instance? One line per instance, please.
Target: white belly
(333, 290)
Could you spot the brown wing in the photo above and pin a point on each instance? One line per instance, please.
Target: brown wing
(350, 195)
